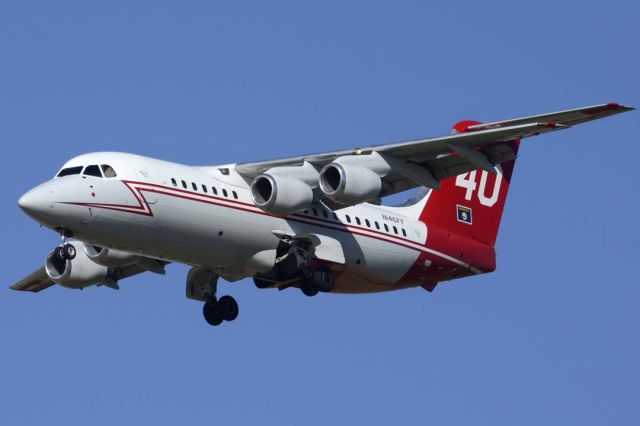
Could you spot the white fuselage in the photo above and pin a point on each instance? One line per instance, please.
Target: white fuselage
(204, 216)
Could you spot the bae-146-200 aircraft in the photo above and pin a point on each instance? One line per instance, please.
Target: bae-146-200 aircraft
(313, 222)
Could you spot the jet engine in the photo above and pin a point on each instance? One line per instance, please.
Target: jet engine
(79, 272)
(280, 194)
(110, 257)
(349, 184)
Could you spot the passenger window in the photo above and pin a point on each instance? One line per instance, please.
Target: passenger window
(377, 225)
(173, 182)
(92, 170)
(348, 219)
(395, 230)
(224, 192)
(404, 233)
(70, 171)
(194, 186)
(204, 189)
(325, 214)
(335, 216)
(315, 211)
(358, 220)
(386, 228)
(184, 184)
(108, 171)
(366, 221)
(306, 211)
(235, 194)
(214, 190)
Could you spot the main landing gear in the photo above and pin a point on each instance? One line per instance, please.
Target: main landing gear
(202, 284)
(310, 282)
(313, 282)
(224, 309)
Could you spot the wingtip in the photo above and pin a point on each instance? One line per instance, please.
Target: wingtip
(616, 105)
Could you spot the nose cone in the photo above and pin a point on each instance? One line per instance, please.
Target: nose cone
(35, 202)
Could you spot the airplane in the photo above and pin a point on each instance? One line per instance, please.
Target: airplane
(313, 222)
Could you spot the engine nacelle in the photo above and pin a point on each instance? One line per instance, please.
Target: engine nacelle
(280, 194)
(349, 184)
(110, 257)
(80, 272)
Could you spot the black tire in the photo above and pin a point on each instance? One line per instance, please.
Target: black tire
(211, 313)
(228, 308)
(308, 287)
(323, 280)
(305, 272)
(69, 251)
(60, 254)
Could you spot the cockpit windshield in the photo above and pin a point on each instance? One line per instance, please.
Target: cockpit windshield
(94, 170)
(70, 171)
(108, 171)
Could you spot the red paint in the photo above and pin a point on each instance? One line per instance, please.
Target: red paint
(463, 126)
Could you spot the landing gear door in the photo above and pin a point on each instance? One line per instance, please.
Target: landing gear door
(324, 248)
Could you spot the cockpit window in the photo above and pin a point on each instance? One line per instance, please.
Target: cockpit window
(70, 171)
(92, 170)
(108, 171)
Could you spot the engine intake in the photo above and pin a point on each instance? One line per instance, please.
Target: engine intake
(80, 272)
(349, 184)
(280, 194)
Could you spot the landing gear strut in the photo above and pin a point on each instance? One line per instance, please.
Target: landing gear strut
(202, 284)
(310, 282)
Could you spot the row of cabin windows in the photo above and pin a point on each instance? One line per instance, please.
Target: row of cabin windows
(314, 210)
(367, 223)
(205, 188)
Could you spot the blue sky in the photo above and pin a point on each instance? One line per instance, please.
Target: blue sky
(550, 337)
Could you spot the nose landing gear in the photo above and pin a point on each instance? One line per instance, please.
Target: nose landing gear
(65, 251)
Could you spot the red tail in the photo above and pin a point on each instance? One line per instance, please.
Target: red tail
(470, 205)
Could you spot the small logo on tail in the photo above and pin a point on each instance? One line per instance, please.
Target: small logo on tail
(464, 214)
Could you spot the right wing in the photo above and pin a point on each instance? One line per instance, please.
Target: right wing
(35, 282)
(39, 280)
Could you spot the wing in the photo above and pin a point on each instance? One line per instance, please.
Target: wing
(39, 280)
(35, 282)
(477, 146)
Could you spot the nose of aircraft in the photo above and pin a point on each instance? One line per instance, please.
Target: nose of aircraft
(34, 202)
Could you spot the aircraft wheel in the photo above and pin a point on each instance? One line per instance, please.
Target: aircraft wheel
(59, 253)
(323, 280)
(68, 251)
(308, 287)
(211, 313)
(228, 308)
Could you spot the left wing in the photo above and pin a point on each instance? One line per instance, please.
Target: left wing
(425, 162)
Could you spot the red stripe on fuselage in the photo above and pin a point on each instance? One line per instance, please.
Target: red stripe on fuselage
(415, 274)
